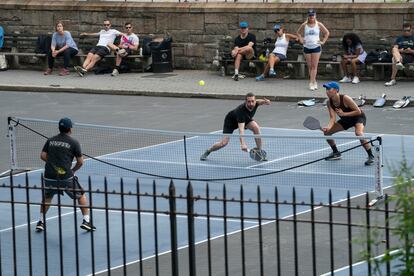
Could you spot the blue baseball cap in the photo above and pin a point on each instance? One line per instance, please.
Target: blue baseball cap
(311, 12)
(332, 84)
(65, 123)
(277, 27)
(244, 24)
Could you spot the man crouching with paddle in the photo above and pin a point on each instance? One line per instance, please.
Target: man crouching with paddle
(350, 116)
(240, 118)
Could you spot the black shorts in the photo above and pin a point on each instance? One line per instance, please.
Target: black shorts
(348, 122)
(101, 51)
(230, 125)
(70, 186)
(407, 58)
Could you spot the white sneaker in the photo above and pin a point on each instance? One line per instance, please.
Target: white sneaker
(355, 80)
(115, 73)
(345, 80)
(311, 87)
(391, 83)
(400, 66)
(315, 85)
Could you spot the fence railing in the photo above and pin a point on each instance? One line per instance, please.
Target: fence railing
(167, 228)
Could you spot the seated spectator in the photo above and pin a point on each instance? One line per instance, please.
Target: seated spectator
(402, 52)
(62, 45)
(129, 42)
(105, 44)
(279, 53)
(354, 55)
(244, 47)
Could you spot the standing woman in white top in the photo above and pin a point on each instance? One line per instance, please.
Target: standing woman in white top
(311, 29)
(279, 53)
(354, 55)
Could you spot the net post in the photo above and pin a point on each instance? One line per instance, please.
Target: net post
(379, 192)
(186, 159)
(173, 230)
(12, 143)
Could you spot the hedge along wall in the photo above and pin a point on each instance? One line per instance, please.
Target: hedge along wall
(197, 27)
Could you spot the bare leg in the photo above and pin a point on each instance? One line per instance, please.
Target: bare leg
(354, 65)
(344, 66)
(334, 129)
(255, 128)
(314, 66)
(83, 203)
(87, 60)
(220, 144)
(94, 60)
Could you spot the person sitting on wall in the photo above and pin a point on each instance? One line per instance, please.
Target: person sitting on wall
(129, 42)
(354, 55)
(105, 45)
(402, 52)
(244, 47)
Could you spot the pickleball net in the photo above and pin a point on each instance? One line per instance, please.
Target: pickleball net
(296, 160)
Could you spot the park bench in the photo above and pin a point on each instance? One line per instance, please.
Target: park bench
(329, 62)
(20, 48)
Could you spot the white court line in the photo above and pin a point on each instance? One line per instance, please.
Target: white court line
(231, 233)
(358, 263)
(300, 154)
(115, 211)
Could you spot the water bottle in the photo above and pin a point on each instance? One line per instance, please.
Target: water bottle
(140, 51)
(267, 52)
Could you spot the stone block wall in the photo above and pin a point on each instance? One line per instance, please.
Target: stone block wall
(197, 27)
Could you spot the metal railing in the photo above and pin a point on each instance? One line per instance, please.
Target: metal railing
(189, 228)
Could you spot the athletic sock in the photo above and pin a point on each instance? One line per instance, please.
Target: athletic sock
(334, 149)
(86, 218)
(369, 151)
(236, 71)
(117, 67)
(41, 217)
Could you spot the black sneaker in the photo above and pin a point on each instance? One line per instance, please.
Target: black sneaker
(369, 161)
(204, 156)
(87, 226)
(78, 70)
(333, 156)
(236, 77)
(40, 226)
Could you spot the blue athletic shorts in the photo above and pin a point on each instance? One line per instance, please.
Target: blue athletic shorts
(311, 51)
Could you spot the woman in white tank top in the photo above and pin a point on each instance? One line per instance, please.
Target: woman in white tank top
(279, 53)
(311, 30)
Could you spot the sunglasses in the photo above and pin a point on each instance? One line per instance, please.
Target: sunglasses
(243, 28)
(277, 30)
(107, 24)
(128, 27)
(407, 30)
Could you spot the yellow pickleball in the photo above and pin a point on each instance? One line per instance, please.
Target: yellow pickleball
(201, 83)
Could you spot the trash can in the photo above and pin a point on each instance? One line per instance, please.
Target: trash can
(161, 56)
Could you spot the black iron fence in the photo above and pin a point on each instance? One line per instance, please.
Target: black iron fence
(182, 228)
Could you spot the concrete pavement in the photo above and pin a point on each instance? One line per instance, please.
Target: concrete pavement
(185, 83)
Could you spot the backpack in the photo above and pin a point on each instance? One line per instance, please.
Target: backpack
(43, 44)
(372, 57)
(1, 37)
(385, 56)
(146, 48)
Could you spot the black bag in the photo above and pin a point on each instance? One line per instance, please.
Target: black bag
(43, 44)
(385, 56)
(103, 69)
(146, 48)
(372, 57)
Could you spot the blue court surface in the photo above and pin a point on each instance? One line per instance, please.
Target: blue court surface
(350, 174)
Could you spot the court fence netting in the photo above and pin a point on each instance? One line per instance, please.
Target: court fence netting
(153, 154)
(142, 231)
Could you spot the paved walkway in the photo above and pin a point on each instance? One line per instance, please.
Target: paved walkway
(185, 83)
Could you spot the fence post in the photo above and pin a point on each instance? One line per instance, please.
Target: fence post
(173, 230)
(191, 239)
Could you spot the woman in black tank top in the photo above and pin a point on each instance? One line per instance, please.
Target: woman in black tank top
(350, 116)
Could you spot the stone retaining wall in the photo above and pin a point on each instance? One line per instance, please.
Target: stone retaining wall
(197, 27)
